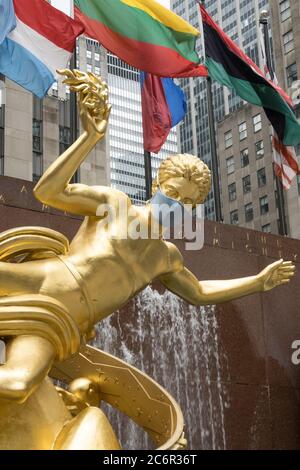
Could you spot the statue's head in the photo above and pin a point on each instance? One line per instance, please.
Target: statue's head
(185, 178)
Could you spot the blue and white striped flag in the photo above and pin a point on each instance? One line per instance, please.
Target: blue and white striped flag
(7, 18)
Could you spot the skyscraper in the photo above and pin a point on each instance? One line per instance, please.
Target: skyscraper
(285, 16)
(125, 134)
(243, 133)
(239, 20)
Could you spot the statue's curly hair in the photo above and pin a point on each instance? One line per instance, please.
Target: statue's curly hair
(187, 166)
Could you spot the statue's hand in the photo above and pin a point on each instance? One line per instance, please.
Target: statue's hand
(81, 393)
(73, 403)
(93, 102)
(276, 274)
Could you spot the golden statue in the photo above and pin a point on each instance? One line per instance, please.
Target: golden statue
(53, 293)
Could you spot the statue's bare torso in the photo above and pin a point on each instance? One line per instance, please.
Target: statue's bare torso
(126, 261)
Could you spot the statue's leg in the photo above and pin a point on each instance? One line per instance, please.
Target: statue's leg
(17, 279)
(90, 430)
(29, 359)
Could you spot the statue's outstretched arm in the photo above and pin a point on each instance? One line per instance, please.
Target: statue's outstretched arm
(186, 285)
(54, 188)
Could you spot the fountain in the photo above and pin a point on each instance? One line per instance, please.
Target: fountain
(166, 338)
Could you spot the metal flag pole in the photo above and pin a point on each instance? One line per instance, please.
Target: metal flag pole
(73, 112)
(148, 174)
(214, 153)
(147, 161)
(283, 230)
(73, 98)
(212, 132)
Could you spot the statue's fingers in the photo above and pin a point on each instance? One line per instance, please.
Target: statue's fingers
(288, 268)
(85, 99)
(284, 281)
(288, 275)
(276, 264)
(108, 111)
(288, 263)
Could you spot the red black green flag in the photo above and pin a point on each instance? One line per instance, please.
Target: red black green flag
(228, 65)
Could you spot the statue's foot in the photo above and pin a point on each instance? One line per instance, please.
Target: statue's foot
(90, 430)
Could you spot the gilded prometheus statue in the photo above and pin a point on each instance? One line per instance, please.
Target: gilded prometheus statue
(53, 293)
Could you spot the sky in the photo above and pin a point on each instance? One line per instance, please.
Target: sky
(64, 4)
(165, 3)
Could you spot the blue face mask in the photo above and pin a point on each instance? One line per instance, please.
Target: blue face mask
(167, 211)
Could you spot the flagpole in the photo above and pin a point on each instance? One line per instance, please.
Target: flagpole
(73, 112)
(148, 174)
(212, 133)
(283, 229)
(73, 97)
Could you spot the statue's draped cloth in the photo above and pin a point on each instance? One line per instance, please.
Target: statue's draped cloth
(36, 314)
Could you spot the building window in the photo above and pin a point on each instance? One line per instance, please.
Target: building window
(244, 158)
(243, 130)
(37, 166)
(97, 70)
(37, 142)
(88, 67)
(259, 149)
(288, 42)
(291, 74)
(88, 54)
(257, 123)
(249, 212)
(228, 139)
(264, 205)
(97, 57)
(37, 139)
(261, 177)
(234, 217)
(37, 147)
(246, 184)
(285, 10)
(64, 138)
(230, 165)
(266, 228)
(232, 192)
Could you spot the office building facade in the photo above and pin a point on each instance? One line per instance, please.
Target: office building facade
(248, 184)
(285, 16)
(248, 188)
(126, 132)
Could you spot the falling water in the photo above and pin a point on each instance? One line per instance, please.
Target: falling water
(177, 345)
